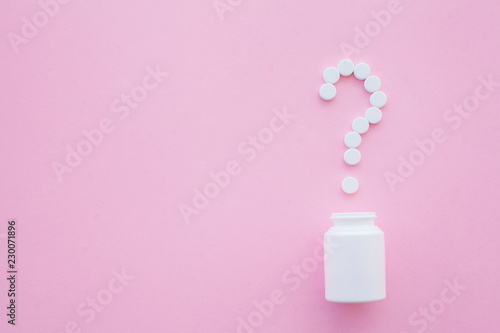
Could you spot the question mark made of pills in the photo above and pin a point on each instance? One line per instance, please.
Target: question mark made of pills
(360, 125)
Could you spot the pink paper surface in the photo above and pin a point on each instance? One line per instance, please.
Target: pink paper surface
(102, 246)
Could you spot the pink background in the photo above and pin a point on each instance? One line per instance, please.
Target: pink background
(120, 207)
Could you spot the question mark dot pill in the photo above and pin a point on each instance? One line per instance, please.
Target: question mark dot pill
(352, 156)
(360, 125)
(378, 99)
(374, 115)
(327, 91)
(350, 185)
(331, 75)
(352, 140)
(346, 67)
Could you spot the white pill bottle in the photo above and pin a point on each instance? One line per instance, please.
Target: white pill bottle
(354, 259)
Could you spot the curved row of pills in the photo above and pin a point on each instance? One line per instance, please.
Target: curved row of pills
(360, 125)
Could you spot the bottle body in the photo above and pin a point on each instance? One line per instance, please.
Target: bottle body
(354, 259)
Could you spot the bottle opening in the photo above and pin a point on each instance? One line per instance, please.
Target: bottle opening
(353, 219)
(353, 215)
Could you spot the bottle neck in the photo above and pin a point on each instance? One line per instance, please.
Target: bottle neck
(353, 220)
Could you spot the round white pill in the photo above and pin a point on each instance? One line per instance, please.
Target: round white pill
(352, 156)
(360, 125)
(352, 140)
(331, 75)
(373, 115)
(346, 67)
(361, 71)
(372, 83)
(378, 99)
(350, 185)
(327, 91)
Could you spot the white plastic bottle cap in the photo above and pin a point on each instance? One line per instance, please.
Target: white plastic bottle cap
(354, 259)
(361, 71)
(352, 140)
(373, 115)
(352, 156)
(327, 91)
(350, 185)
(372, 84)
(346, 67)
(360, 125)
(378, 99)
(331, 75)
